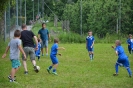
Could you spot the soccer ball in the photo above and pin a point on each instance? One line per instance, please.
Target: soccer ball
(38, 68)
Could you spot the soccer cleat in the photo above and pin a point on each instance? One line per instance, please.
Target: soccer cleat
(54, 73)
(130, 76)
(48, 70)
(42, 54)
(35, 69)
(26, 72)
(115, 74)
(46, 54)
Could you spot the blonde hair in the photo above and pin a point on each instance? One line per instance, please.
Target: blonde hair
(118, 42)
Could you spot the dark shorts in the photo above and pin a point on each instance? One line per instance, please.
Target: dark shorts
(29, 51)
(54, 59)
(125, 62)
(90, 49)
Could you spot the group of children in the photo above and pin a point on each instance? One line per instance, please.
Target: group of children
(122, 57)
(15, 47)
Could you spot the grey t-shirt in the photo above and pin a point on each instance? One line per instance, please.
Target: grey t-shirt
(14, 50)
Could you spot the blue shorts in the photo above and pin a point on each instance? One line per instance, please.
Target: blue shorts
(90, 49)
(54, 59)
(37, 53)
(125, 62)
(15, 63)
(44, 44)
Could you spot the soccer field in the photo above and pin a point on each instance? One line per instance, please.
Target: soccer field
(75, 70)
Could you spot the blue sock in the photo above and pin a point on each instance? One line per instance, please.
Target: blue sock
(116, 67)
(129, 71)
(54, 70)
(50, 67)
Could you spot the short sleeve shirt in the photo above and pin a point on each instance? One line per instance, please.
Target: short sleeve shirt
(54, 49)
(43, 34)
(130, 42)
(14, 50)
(90, 40)
(121, 53)
(27, 38)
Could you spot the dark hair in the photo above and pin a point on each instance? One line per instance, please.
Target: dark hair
(38, 40)
(17, 33)
(43, 24)
(89, 31)
(23, 26)
(56, 40)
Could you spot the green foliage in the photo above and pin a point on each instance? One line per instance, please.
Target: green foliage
(71, 38)
(75, 70)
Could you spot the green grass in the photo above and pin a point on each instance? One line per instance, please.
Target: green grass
(75, 70)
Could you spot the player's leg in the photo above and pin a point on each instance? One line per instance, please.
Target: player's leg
(129, 49)
(26, 50)
(46, 47)
(54, 69)
(126, 64)
(116, 68)
(32, 58)
(42, 48)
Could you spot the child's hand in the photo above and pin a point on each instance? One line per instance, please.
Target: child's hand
(113, 47)
(59, 54)
(24, 56)
(4, 55)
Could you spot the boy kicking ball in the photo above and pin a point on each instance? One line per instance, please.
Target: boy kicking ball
(15, 47)
(122, 58)
(54, 59)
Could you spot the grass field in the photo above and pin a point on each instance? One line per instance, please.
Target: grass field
(75, 70)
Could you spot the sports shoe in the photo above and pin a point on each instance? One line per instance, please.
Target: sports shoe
(130, 76)
(46, 54)
(26, 72)
(115, 74)
(54, 73)
(48, 70)
(11, 80)
(9, 77)
(42, 54)
(35, 69)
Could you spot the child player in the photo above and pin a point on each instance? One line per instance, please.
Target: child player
(130, 44)
(15, 48)
(54, 50)
(37, 52)
(122, 58)
(89, 44)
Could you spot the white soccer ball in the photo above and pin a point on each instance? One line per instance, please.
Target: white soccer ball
(38, 68)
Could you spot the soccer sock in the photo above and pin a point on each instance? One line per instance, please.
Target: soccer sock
(54, 70)
(38, 57)
(92, 56)
(50, 67)
(129, 71)
(116, 67)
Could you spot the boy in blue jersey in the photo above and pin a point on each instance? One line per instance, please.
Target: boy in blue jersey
(37, 52)
(122, 58)
(130, 44)
(89, 44)
(54, 59)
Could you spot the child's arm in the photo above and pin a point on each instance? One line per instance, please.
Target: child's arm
(92, 44)
(115, 50)
(22, 51)
(86, 45)
(36, 41)
(60, 48)
(7, 49)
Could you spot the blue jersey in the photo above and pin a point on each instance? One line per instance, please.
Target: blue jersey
(121, 53)
(54, 49)
(37, 52)
(130, 43)
(43, 34)
(90, 40)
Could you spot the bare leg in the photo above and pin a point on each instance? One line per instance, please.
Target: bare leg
(42, 51)
(25, 65)
(12, 73)
(33, 62)
(46, 49)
